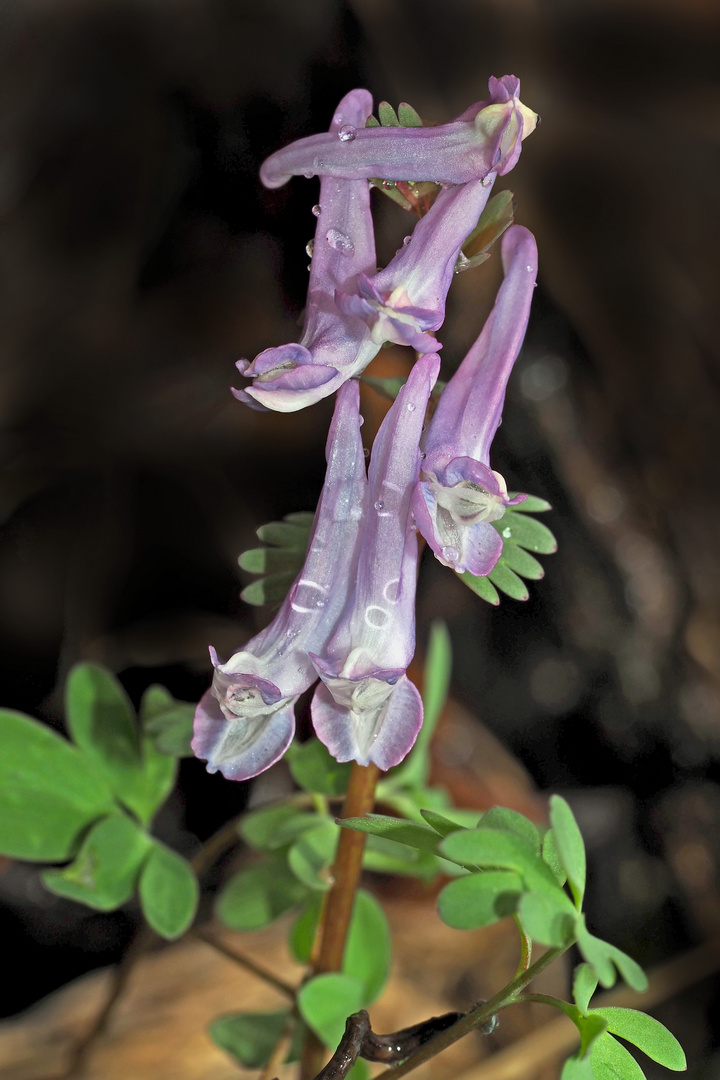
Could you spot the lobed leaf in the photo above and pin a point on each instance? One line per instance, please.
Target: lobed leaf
(106, 869)
(169, 892)
(502, 817)
(326, 1001)
(551, 857)
(604, 958)
(481, 586)
(463, 819)
(570, 846)
(480, 899)
(577, 1068)
(545, 919)
(314, 769)
(407, 116)
(584, 985)
(264, 830)
(520, 528)
(257, 896)
(402, 832)
(167, 722)
(387, 115)
(611, 1061)
(250, 1038)
(49, 792)
(311, 856)
(645, 1032)
(368, 950)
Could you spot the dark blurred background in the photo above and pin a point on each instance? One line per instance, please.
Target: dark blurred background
(140, 257)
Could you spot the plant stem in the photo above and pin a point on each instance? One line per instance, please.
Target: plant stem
(247, 962)
(475, 1017)
(337, 912)
(525, 948)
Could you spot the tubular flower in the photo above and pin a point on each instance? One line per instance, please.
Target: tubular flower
(407, 299)
(332, 349)
(366, 709)
(485, 138)
(459, 495)
(246, 721)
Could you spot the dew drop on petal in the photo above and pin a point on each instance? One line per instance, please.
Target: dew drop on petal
(308, 175)
(316, 210)
(347, 133)
(411, 407)
(338, 118)
(406, 240)
(507, 532)
(528, 267)
(309, 247)
(450, 554)
(338, 241)
(379, 504)
(366, 452)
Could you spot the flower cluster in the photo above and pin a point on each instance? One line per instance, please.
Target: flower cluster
(349, 618)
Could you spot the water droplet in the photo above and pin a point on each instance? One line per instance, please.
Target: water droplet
(338, 241)
(338, 118)
(347, 133)
(309, 247)
(507, 532)
(316, 210)
(529, 268)
(450, 554)
(411, 407)
(406, 240)
(308, 175)
(379, 504)
(486, 181)
(366, 452)
(389, 184)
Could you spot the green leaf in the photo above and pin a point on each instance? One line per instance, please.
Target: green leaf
(269, 560)
(301, 936)
(584, 985)
(263, 829)
(645, 1032)
(372, 122)
(385, 857)
(531, 505)
(570, 846)
(604, 958)
(522, 562)
(285, 534)
(326, 1001)
(461, 819)
(368, 950)
(526, 531)
(403, 832)
(250, 1038)
(49, 793)
(545, 921)
(551, 857)
(501, 849)
(481, 587)
(167, 722)
(169, 892)
(407, 116)
(438, 666)
(257, 896)
(501, 817)
(104, 874)
(494, 220)
(311, 856)
(611, 1061)
(577, 1068)
(480, 899)
(507, 581)
(590, 1028)
(268, 590)
(101, 721)
(389, 388)
(388, 116)
(315, 770)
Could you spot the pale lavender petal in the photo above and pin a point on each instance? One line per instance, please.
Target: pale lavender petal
(383, 737)
(475, 548)
(240, 749)
(486, 138)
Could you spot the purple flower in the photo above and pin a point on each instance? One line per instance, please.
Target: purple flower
(485, 138)
(459, 495)
(332, 349)
(246, 721)
(406, 300)
(366, 709)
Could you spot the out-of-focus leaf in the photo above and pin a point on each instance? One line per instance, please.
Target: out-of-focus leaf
(106, 868)
(169, 892)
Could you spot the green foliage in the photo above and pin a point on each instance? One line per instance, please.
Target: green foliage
(521, 534)
(281, 562)
(326, 1001)
(415, 770)
(167, 723)
(407, 116)
(604, 958)
(461, 819)
(102, 723)
(257, 896)
(570, 846)
(387, 115)
(497, 216)
(577, 1068)
(315, 770)
(275, 826)
(106, 869)
(611, 1061)
(501, 817)
(648, 1034)
(250, 1038)
(49, 792)
(584, 985)
(480, 899)
(301, 936)
(169, 892)
(311, 855)
(368, 950)
(390, 828)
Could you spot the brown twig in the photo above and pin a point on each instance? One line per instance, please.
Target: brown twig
(337, 911)
(246, 962)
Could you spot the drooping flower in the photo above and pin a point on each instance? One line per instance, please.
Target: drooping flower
(366, 709)
(485, 138)
(246, 721)
(406, 300)
(332, 349)
(459, 495)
